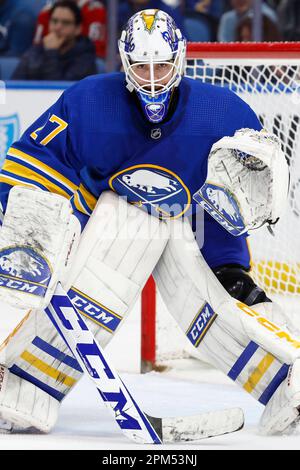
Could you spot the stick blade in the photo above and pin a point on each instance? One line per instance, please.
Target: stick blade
(202, 426)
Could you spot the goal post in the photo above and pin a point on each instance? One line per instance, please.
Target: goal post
(267, 77)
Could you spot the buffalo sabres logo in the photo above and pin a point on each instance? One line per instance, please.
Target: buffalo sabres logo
(9, 132)
(156, 189)
(222, 206)
(22, 268)
(222, 203)
(155, 111)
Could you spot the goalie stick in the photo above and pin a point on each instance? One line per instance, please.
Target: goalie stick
(134, 423)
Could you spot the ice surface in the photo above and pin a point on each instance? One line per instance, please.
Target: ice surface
(187, 388)
(84, 423)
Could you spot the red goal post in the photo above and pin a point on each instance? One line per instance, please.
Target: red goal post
(244, 50)
(267, 76)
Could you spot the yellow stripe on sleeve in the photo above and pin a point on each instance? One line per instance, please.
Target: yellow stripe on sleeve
(43, 167)
(13, 182)
(20, 170)
(78, 204)
(90, 200)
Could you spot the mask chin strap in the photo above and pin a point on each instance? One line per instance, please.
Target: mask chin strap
(154, 108)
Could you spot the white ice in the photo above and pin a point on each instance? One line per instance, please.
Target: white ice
(188, 388)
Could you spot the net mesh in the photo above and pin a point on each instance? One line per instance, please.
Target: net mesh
(272, 89)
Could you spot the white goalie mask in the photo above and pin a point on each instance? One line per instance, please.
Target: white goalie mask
(152, 51)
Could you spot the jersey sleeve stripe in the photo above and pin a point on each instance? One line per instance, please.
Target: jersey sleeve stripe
(83, 203)
(88, 197)
(79, 206)
(8, 164)
(11, 180)
(23, 174)
(61, 179)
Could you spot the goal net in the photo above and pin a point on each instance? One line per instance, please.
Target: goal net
(267, 77)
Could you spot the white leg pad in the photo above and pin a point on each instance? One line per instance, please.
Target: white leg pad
(283, 408)
(119, 249)
(24, 406)
(243, 343)
(117, 253)
(187, 283)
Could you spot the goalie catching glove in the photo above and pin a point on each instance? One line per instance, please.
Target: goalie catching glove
(247, 181)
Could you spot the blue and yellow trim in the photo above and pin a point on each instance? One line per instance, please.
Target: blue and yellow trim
(141, 202)
(38, 383)
(201, 324)
(256, 369)
(258, 373)
(88, 198)
(94, 310)
(47, 369)
(84, 201)
(25, 165)
(56, 353)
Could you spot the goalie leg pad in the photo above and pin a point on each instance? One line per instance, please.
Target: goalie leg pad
(118, 251)
(36, 353)
(183, 272)
(254, 351)
(24, 406)
(284, 407)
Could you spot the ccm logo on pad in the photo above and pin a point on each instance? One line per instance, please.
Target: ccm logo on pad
(201, 324)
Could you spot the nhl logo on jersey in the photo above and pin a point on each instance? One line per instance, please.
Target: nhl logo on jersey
(9, 132)
(222, 206)
(153, 188)
(22, 268)
(156, 133)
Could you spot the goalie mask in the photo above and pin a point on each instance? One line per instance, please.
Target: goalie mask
(152, 51)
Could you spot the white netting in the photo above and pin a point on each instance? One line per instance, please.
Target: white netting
(272, 89)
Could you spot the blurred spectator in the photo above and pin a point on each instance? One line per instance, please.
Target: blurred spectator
(270, 31)
(64, 54)
(17, 21)
(212, 8)
(289, 17)
(94, 23)
(273, 3)
(230, 19)
(127, 8)
(202, 19)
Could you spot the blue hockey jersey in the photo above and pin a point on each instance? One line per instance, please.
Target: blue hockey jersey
(95, 138)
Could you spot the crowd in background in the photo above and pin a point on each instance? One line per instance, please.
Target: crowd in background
(67, 39)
